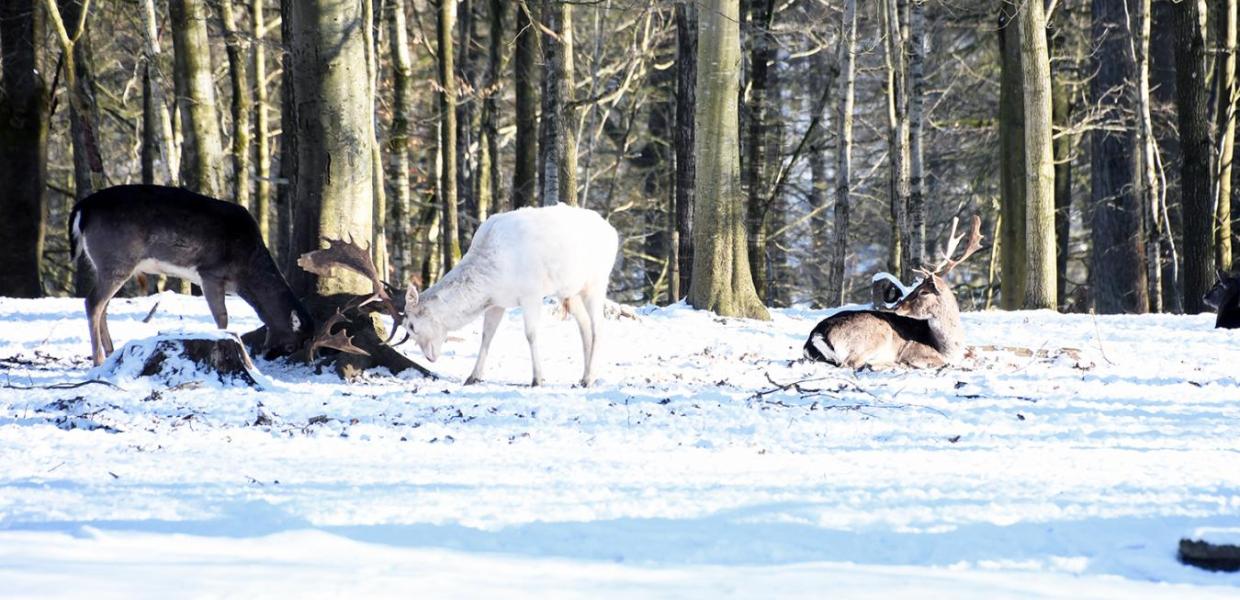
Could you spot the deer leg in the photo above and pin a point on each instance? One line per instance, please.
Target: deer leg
(578, 310)
(213, 291)
(97, 300)
(531, 310)
(490, 322)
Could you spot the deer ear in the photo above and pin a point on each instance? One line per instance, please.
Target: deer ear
(411, 296)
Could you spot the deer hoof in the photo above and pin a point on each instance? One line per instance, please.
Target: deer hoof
(472, 380)
(536, 383)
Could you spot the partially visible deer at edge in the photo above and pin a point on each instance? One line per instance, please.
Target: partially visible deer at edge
(922, 329)
(1224, 298)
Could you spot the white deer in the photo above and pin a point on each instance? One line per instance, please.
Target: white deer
(519, 258)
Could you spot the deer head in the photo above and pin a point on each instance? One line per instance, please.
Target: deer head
(384, 297)
(932, 298)
(1225, 284)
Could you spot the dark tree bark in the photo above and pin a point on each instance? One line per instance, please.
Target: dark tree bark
(756, 158)
(1011, 160)
(1196, 166)
(1061, 96)
(23, 148)
(686, 74)
(525, 78)
(843, 164)
(1117, 271)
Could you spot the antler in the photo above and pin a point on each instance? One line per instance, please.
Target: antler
(953, 240)
(324, 338)
(357, 259)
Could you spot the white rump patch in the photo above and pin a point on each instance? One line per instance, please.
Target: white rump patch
(152, 266)
(823, 348)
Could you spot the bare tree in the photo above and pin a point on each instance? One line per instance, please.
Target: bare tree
(525, 75)
(843, 161)
(202, 158)
(450, 223)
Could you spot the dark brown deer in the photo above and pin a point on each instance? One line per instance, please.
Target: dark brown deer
(149, 229)
(922, 329)
(1224, 298)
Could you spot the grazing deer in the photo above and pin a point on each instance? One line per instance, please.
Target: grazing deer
(922, 329)
(159, 230)
(1224, 298)
(519, 258)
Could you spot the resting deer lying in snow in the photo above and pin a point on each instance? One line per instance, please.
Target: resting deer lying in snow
(922, 329)
(1224, 298)
(130, 229)
(517, 259)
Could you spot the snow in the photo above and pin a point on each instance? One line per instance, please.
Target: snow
(684, 472)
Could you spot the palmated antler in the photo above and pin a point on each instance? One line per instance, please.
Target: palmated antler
(975, 243)
(349, 255)
(324, 338)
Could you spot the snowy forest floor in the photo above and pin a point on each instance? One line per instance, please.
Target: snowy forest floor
(691, 469)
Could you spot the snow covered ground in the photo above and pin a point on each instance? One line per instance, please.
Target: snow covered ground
(691, 470)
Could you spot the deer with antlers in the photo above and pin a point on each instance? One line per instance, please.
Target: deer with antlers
(922, 329)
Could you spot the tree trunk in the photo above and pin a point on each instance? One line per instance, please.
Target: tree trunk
(897, 137)
(1225, 125)
(1196, 170)
(378, 181)
(1061, 96)
(843, 157)
(203, 156)
(557, 157)
(686, 75)
(916, 124)
(399, 140)
(1011, 160)
(449, 224)
(332, 185)
(162, 139)
(525, 78)
(242, 103)
(1151, 189)
(1118, 270)
(762, 51)
(23, 148)
(1039, 159)
(466, 159)
(721, 279)
(488, 130)
(262, 149)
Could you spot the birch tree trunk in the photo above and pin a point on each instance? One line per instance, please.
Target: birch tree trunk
(333, 183)
(897, 137)
(23, 148)
(399, 140)
(241, 104)
(162, 138)
(1196, 167)
(1225, 125)
(1039, 159)
(721, 279)
(525, 79)
(1011, 160)
(843, 156)
(1151, 189)
(449, 224)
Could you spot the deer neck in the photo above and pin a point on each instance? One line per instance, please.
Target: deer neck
(945, 327)
(457, 299)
